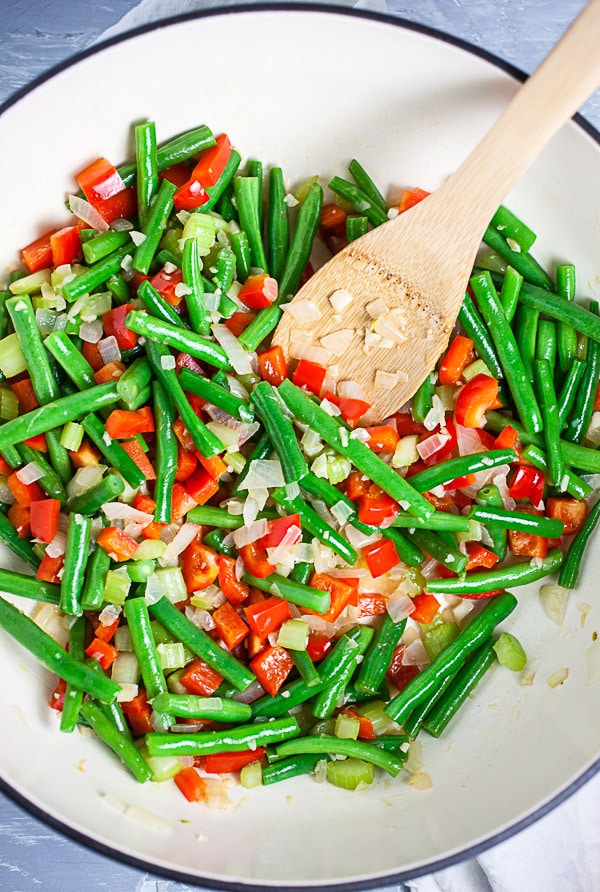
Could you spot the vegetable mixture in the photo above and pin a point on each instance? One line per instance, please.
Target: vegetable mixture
(233, 573)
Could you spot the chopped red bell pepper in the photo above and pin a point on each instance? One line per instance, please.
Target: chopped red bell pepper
(50, 567)
(229, 763)
(474, 399)
(380, 556)
(99, 181)
(239, 322)
(57, 698)
(137, 454)
(277, 529)
(266, 616)
(181, 502)
(310, 375)
(255, 560)
(122, 424)
(206, 173)
(271, 667)
(233, 588)
(480, 556)
(372, 604)
(200, 678)
(166, 283)
(110, 372)
(121, 205)
(102, 651)
(332, 227)
(341, 594)
(186, 463)
(273, 366)
(506, 439)
(117, 542)
(572, 512)
(199, 565)
(528, 544)
(377, 509)
(114, 324)
(215, 465)
(138, 713)
(65, 245)
(44, 515)
(410, 197)
(25, 394)
(229, 624)
(383, 438)
(318, 646)
(258, 291)
(426, 607)
(358, 485)
(24, 493)
(201, 486)
(459, 355)
(399, 673)
(528, 483)
(190, 784)
(37, 254)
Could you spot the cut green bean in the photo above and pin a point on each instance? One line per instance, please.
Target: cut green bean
(215, 708)
(294, 766)
(511, 227)
(127, 752)
(452, 657)
(355, 228)
(278, 224)
(568, 393)
(247, 196)
(166, 454)
(569, 572)
(176, 150)
(583, 406)
(203, 743)
(241, 248)
(100, 246)
(509, 293)
(517, 520)
(52, 655)
(134, 383)
(217, 395)
(96, 275)
(98, 566)
(154, 226)
(147, 167)
(329, 698)
(40, 371)
(17, 544)
(447, 554)
(280, 429)
(191, 265)
(422, 401)
(566, 334)
(359, 200)
(449, 470)
(337, 746)
(156, 305)
(574, 485)
(50, 482)
(488, 498)
(144, 645)
(77, 548)
(378, 656)
(70, 359)
(492, 580)
(522, 261)
(549, 407)
(89, 502)
(164, 333)
(546, 342)
(74, 695)
(474, 326)
(367, 185)
(302, 595)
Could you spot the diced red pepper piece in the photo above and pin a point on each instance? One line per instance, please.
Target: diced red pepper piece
(44, 519)
(267, 615)
(122, 424)
(256, 561)
(376, 509)
(181, 502)
(49, 568)
(380, 556)
(527, 544)
(138, 713)
(318, 646)
(24, 493)
(136, 453)
(271, 667)
(190, 784)
(229, 624)
(258, 291)
(57, 698)
(239, 322)
(38, 442)
(341, 594)
(200, 678)
(65, 245)
(200, 486)
(273, 366)
(102, 651)
(199, 565)
(528, 483)
(233, 588)
(572, 512)
(480, 556)
(398, 673)
(117, 542)
(37, 254)
(459, 355)
(310, 375)
(410, 197)
(114, 324)
(99, 181)
(506, 439)
(205, 174)
(166, 283)
(277, 529)
(110, 372)
(372, 604)
(214, 465)
(474, 399)
(383, 438)
(229, 763)
(25, 394)
(426, 607)
(121, 205)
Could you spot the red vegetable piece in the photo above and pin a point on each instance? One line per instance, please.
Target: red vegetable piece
(474, 399)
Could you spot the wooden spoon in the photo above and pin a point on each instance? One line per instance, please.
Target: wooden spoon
(418, 264)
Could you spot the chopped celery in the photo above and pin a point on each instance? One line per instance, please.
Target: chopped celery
(350, 773)
(251, 775)
(510, 652)
(476, 368)
(9, 404)
(347, 726)
(12, 361)
(202, 228)
(116, 586)
(171, 655)
(166, 581)
(438, 636)
(293, 634)
(72, 436)
(32, 282)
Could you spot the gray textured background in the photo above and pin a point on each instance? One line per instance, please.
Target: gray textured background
(34, 36)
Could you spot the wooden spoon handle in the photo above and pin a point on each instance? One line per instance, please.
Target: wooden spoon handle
(546, 101)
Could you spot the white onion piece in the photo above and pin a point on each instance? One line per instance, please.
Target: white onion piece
(340, 299)
(253, 692)
(121, 511)
(358, 539)
(312, 353)
(201, 618)
(56, 547)
(436, 417)
(247, 534)
(109, 614)
(87, 213)
(385, 380)
(109, 349)
(127, 693)
(399, 606)
(29, 473)
(558, 677)
(338, 341)
(91, 332)
(263, 473)
(554, 600)
(430, 445)
(592, 663)
(186, 534)
(303, 310)
(351, 390)
(414, 654)
(238, 357)
(291, 537)
(377, 308)
(467, 440)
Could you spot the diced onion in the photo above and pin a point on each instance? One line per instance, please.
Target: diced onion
(303, 310)
(237, 355)
(592, 663)
(109, 349)
(340, 299)
(377, 308)
(168, 362)
(338, 341)
(430, 445)
(263, 473)
(56, 547)
(554, 600)
(312, 353)
(291, 537)
(351, 390)
(91, 332)
(120, 511)
(187, 534)
(385, 380)
(399, 606)
(87, 213)
(414, 654)
(558, 678)
(30, 472)
(247, 534)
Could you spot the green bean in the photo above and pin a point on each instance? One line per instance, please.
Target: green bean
(224, 269)
(574, 455)
(492, 580)
(280, 429)
(414, 722)
(224, 182)
(575, 486)
(156, 305)
(355, 228)
(191, 706)
(452, 657)
(44, 383)
(446, 471)
(74, 695)
(216, 540)
(517, 520)
(212, 516)
(96, 275)
(525, 330)
(51, 654)
(27, 586)
(566, 397)
(441, 520)
(509, 294)
(77, 548)
(241, 248)
(204, 440)
(314, 524)
(511, 227)
(247, 196)
(278, 224)
(216, 395)
(90, 501)
(56, 413)
(294, 592)
(119, 289)
(118, 742)
(17, 544)
(294, 766)
(583, 407)
(134, 382)
(378, 656)
(70, 359)
(178, 337)
(112, 451)
(523, 262)
(4, 318)
(549, 407)
(569, 572)
(439, 549)
(329, 698)
(546, 342)
(50, 482)
(474, 326)
(154, 226)
(306, 668)
(166, 454)
(422, 401)
(566, 334)
(359, 454)
(460, 689)
(95, 579)
(147, 167)
(307, 224)
(367, 185)
(173, 152)
(144, 645)
(203, 743)
(361, 202)
(100, 246)
(338, 746)
(201, 644)
(191, 265)
(520, 386)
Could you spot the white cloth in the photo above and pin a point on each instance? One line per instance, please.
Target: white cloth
(561, 851)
